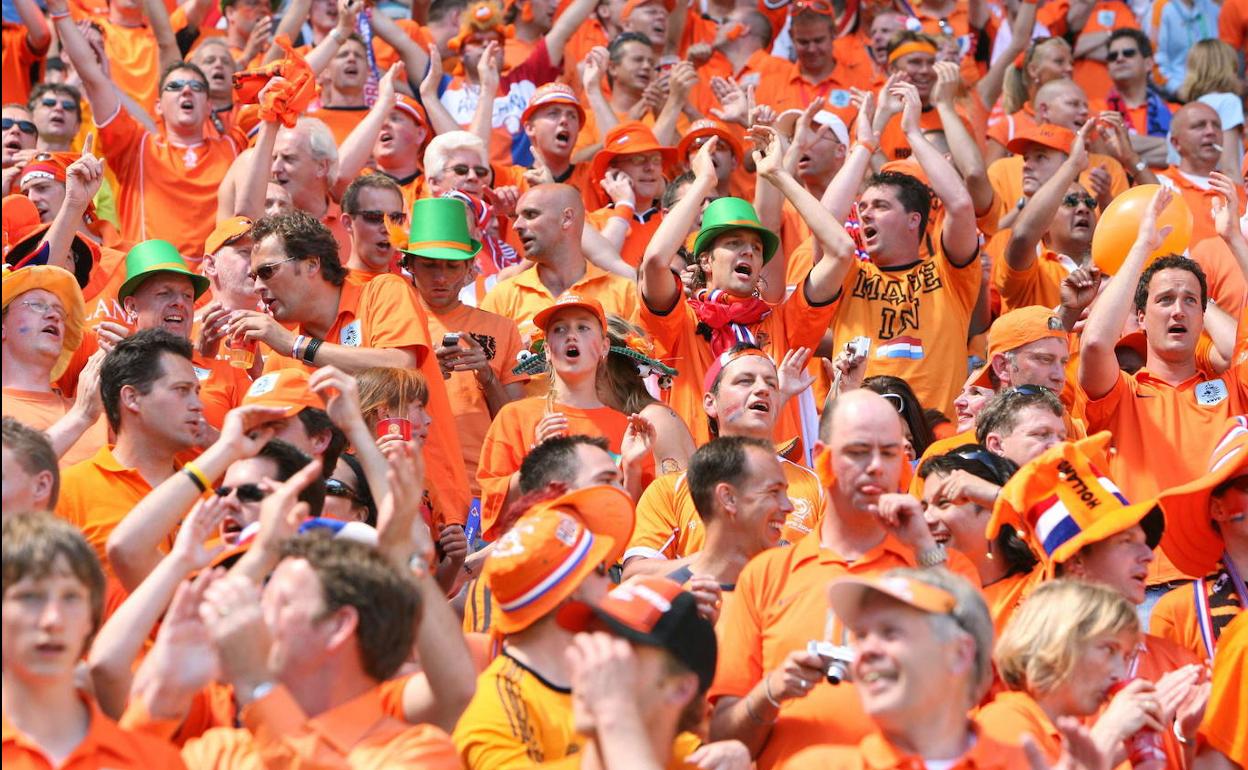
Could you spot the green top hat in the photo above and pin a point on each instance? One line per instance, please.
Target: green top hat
(440, 230)
(726, 214)
(156, 256)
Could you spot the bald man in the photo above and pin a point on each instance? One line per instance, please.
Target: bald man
(550, 221)
(1064, 103)
(780, 593)
(1196, 135)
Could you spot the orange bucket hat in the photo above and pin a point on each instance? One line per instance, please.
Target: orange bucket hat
(285, 388)
(631, 137)
(1061, 502)
(1190, 540)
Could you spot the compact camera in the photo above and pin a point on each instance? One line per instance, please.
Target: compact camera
(836, 660)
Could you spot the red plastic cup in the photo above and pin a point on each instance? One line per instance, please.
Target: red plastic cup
(395, 426)
(1145, 745)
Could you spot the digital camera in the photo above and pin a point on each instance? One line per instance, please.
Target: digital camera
(836, 660)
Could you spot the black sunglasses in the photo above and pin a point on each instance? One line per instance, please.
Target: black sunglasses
(374, 217)
(198, 86)
(462, 169)
(1126, 53)
(336, 488)
(50, 101)
(268, 269)
(247, 493)
(25, 126)
(1074, 199)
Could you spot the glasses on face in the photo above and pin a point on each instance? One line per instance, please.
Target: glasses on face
(641, 161)
(896, 400)
(374, 217)
(1074, 199)
(25, 126)
(43, 308)
(196, 85)
(981, 456)
(247, 493)
(67, 104)
(336, 488)
(462, 169)
(1126, 53)
(268, 269)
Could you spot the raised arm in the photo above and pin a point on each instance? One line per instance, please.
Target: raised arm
(568, 22)
(1225, 209)
(320, 56)
(294, 17)
(1034, 220)
(959, 235)
(410, 53)
(604, 117)
(683, 78)
(166, 42)
(98, 89)
(656, 282)
(38, 35)
(357, 148)
(990, 85)
(83, 179)
(487, 72)
(966, 156)
(440, 121)
(1098, 366)
(249, 201)
(844, 187)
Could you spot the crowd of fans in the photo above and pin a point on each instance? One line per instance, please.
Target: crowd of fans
(625, 384)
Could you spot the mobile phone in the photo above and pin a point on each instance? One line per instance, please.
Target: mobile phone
(275, 23)
(860, 346)
(450, 339)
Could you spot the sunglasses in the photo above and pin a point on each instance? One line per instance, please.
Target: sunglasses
(68, 104)
(247, 493)
(981, 456)
(336, 488)
(374, 217)
(1074, 199)
(267, 270)
(896, 400)
(1127, 53)
(198, 86)
(25, 126)
(462, 169)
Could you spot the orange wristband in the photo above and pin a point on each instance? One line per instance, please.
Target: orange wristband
(623, 211)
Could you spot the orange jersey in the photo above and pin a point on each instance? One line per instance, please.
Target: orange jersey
(1233, 23)
(768, 74)
(641, 229)
(1227, 285)
(1039, 284)
(1002, 128)
(1006, 594)
(669, 527)
(501, 341)
(385, 55)
(875, 752)
(221, 387)
(134, 61)
(1227, 713)
(779, 605)
(523, 296)
(794, 323)
(42, 410)
(18, 61)
(893, 142)
(340, 120)
(165, 190)
(384, 312)
(797, 92)
(105, 745)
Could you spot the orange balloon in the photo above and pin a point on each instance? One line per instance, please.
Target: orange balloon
(1119, 226)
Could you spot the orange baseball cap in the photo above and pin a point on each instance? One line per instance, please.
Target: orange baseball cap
(226, 232)
(1190, 540)
(1061, 502)
(604, 509)
(552, 93)
(569, 300)
(1047, 135)
(537, 565)
(706, 127)
(285, 388)
(847, 594)
(633, 5)
(61, 283)
(1012, 330)
(656, 612)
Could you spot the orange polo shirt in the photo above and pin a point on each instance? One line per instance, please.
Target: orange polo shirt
(797, 92)
(1227, 713)
(794, 323)
(1040, 284)
(106, 745)
(165, 190)
(779, 605)
(356, 734)
(383, 312)
(19, 57)
(640, 230)
(1141, 407)
(501, 340)
(341, 120)
(523, 296)
(669, 527)
(1196, 194)
(1011, 715)
(875, 752)
(42, 410)
(1227, 284)
(1006, 594)
(768, 74)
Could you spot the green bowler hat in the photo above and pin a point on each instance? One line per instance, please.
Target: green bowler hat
(726, 214)
(156, 256)
(440, 230)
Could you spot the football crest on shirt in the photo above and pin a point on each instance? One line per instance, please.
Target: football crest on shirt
(350, 335)
(1211, 392)
(838, 97)
(262, 385)
(901, 347)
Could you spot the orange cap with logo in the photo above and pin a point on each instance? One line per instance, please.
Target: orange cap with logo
(569, 300)
(286, 388)
(226, 232)
(538, 563)
(1046, 135)
(847, 594)
(1190, 540)
(1061, 502)
(1012, 330)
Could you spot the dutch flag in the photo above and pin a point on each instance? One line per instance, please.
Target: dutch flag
(902, 347)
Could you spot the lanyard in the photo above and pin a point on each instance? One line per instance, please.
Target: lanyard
(1204, 615)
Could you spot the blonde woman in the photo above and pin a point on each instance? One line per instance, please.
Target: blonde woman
(1047, 58)
(1213, 78)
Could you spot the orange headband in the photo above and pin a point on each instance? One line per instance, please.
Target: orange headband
(912, 46)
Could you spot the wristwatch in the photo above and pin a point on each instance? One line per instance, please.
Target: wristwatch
(1139, 166)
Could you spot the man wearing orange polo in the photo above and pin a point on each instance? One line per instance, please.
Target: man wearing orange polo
(911, 59)
(350, 325)
(769, 691)
(1196, 135)
(633, 160)
(1170, 396)
(816, 71)
(740, 51)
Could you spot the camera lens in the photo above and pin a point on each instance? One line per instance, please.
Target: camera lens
(838, 671)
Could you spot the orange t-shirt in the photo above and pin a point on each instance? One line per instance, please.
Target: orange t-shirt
(501, 341)
(1227, 713)
(779, 605)
(513, 432)
(221, 387)
(794, 323)
(1011, 715)
(640, 230)
(1106, 16)
(385, 55)
(1002, 128)
(669, 527)
(384, 312)
(523, 296)
(340, 120)
(768, 74)
(1195, 192)
(1006, 594)
(134, 61)
(106, 744)
(41, 410)
(1227, 284)
(18, 60)
(165, 190)
(796, 92)
(893, 142)
(1233, 23)
(875, 752)
(1040, 284)
(1141, 407)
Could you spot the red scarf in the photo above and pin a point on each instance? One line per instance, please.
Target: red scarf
(727, 318)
